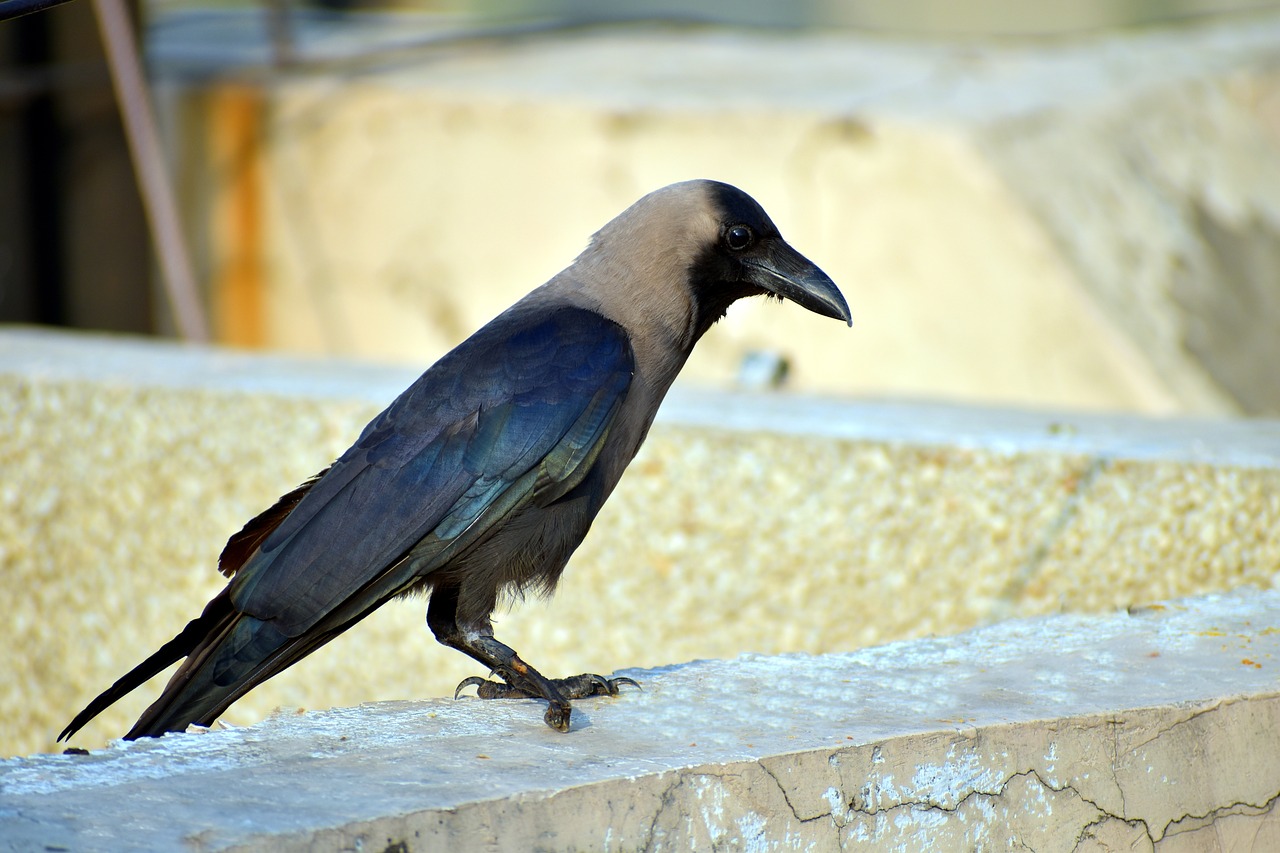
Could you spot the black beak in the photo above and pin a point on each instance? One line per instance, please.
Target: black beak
(783, 271)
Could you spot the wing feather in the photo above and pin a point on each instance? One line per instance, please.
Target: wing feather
(519, 409)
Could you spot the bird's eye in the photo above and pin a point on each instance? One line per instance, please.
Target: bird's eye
(738, 237)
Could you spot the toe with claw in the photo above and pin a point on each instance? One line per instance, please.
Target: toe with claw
(574, 687)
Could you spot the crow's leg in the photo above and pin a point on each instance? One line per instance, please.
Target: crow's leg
(521, 680)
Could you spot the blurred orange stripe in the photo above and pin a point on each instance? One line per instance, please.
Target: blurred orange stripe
(235, 141)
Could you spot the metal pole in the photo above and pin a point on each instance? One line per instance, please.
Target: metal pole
(281, 29)
(148, 163)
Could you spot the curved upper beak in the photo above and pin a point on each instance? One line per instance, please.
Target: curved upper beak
(784, 271)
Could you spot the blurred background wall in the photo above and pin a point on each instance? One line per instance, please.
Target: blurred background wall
(1054, 204)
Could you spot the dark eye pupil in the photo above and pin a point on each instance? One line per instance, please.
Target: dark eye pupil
(739, 237)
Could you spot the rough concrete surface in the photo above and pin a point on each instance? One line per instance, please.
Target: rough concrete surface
(1077, 222)
(749, 523)
(1151, 730)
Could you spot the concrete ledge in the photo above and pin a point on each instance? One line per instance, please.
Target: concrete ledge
(764, 524)
(1149, 730)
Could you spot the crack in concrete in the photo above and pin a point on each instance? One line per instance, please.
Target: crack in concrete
(790, 805)
(842, 821)
(996, 792)
(1240, 807)
(1086, 832)
(669, 801)
(786, 798)
(1199, 712)
(1008, 598)
(1116, 725)
(1201, 819)
(999, 791)
(665, 801)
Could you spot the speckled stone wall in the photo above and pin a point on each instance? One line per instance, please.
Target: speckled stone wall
(759, 524)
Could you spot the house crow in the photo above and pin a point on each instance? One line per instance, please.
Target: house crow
(485, 474)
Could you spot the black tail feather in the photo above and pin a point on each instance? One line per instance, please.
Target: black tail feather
(218, 671)
(197, 630)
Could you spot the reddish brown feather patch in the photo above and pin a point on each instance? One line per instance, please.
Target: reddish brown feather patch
(240, 546)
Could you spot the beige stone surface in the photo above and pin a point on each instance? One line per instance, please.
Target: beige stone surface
(763, 524)
(1084, 222)
(1183, 183)
(418, 276)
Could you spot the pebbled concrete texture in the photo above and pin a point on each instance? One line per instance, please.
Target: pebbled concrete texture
(1080, 222)
(1149, 730)
(749, 523)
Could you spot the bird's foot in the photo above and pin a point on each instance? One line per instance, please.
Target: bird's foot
(574, 687)
(558, 712)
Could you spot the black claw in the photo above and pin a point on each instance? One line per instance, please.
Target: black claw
(610, 686)
(473, 681)
(590, 684)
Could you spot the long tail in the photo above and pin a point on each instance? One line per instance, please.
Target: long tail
(217, 672)
(217, 615)
(228, 653)
(195, 694)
